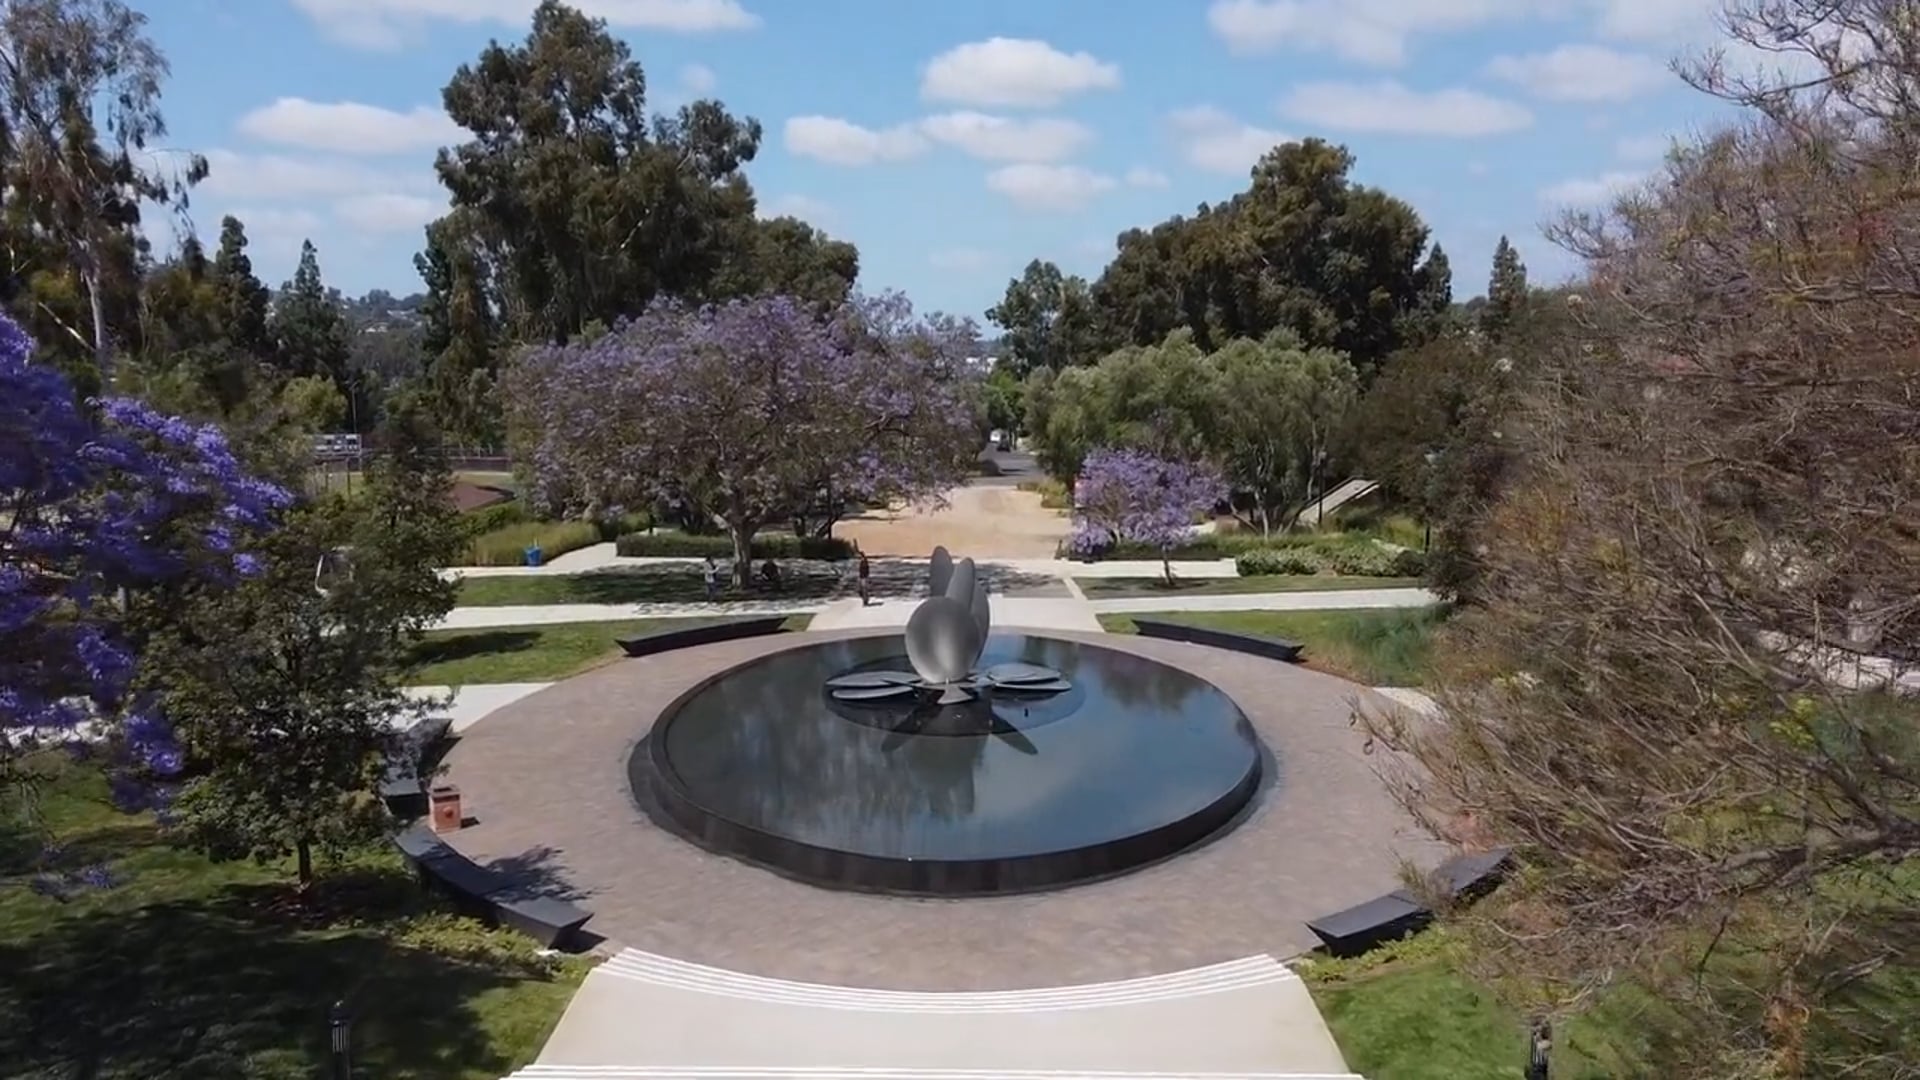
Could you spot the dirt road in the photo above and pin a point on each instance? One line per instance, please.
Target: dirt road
(981, 521)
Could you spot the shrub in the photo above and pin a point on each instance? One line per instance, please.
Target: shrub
(1263, 561)
(506, 546)
(1363, 560)
(1053, 494)
(770, 546)
(1409, 563)
(498, 516)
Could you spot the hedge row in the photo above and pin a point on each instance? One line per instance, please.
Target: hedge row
(1354, 560)
(770, 546)
(499, 535)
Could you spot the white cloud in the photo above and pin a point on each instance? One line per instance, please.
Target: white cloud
(1586, 73)
(1477, 168)
(1216, 141)
(1373, 32)
(1013, 72)
(387, 212)
(275, 176)
(349, 127)
(698, 80)
(389, 24)
(1656, 22)
(960, 259)
(1033, 186)
(1388, 108)
(1642, 147)
(1001, 138)
(805, 207)
(1591, 191)
(1142, 177)
(841, 142)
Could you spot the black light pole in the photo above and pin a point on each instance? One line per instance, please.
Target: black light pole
(1540, 1048)
(340, 1040)
(1426, 518)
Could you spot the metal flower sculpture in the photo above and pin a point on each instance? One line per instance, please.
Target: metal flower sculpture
(945, 636)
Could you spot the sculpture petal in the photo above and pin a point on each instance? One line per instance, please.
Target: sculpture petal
(872, 693)
(960, 585)
(861, 680)
(1057, 686)
(942, 641)
(1017, 671)
(939, 571)
(982, 617)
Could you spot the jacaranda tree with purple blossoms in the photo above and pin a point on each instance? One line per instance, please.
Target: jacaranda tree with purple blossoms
(101, 504)
(1131, 496)
(751, 409)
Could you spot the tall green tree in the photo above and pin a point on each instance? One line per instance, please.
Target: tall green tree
(1341, 265)
(1277, 410)
(244, 299)
(1506, 292)
(79, 110)
(459, 334)
(587, 209)
(286, 688)
(309, 331)
(785, 256)
(1048, 319)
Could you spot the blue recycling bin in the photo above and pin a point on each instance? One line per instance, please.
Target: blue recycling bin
(533, 555)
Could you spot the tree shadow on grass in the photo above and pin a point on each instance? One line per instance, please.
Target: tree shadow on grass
(237, 984)
(465, 646)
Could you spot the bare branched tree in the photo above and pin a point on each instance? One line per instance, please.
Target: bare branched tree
(1703, 581)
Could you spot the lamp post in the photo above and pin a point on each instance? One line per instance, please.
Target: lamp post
(340, 1040)
(1426, 518)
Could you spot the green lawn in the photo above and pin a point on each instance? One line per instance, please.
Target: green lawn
(194, 969)
(1098, 587)
(1409, 1013)
(641, 585)
(532, 653)
(1378, 647)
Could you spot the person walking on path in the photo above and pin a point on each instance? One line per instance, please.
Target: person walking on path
(866, 572)
(711, 571)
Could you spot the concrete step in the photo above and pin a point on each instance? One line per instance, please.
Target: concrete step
(665, 971)
(621, 1072)
(803, 1073)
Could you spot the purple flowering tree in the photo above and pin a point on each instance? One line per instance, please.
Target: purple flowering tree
(98, 505)
(752, 409)
(1135, 497)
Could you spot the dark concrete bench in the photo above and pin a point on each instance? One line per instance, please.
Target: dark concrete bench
(553, 923)
(705, 634)
(1255, 644)
(402, 787)
(1355, 930)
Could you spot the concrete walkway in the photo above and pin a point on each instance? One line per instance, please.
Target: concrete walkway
(1328, 600)
(481, 618)
(1009, 613)
(1249, 1018)
(602, 557)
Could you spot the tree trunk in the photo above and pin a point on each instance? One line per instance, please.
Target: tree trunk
(303, 855)
(1166, 565)
(742, 553)
(1266, 519)
(102, 349)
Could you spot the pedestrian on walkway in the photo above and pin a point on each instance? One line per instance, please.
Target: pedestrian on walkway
(866, 571)
(711, 571)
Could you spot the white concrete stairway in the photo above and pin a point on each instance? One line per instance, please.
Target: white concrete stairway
(644, 1015)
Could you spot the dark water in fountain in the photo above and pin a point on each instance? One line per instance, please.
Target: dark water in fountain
(1009, 793)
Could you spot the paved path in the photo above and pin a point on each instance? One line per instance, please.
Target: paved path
(1063, 613)
(601, 557)
(1329, 600)
(1009, 613)
(1246, 1017)
(546, 779)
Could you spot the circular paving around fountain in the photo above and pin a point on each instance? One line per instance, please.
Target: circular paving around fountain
(547, 779)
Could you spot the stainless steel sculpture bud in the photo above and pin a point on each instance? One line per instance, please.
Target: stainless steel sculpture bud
(945, 637)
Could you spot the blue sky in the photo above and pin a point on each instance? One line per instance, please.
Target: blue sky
(954, 140)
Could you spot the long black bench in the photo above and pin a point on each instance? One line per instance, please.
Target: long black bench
(1256, 644)
(402, 786)
(1461, 879)
(553, 923)
(661, 641)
